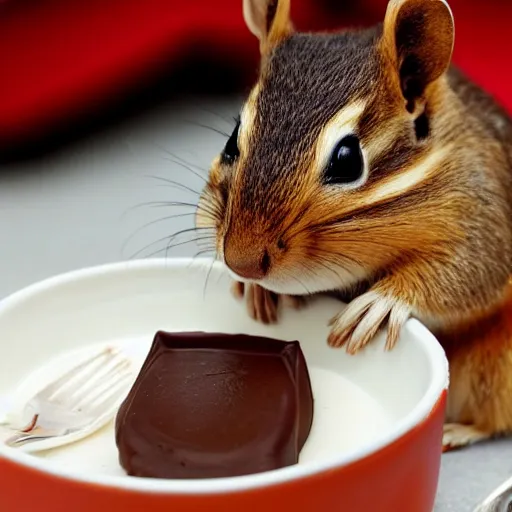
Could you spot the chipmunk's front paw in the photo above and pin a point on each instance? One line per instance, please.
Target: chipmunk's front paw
(456, 436)
(263, 305)
(363, 317)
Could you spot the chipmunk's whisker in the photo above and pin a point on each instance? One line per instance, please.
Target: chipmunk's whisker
(188, 168)
(203, 252)
(175, 184)
(170, 238)
(204, 230)
(291, 275)
(210, 128)
(172, 157)
(208, 275)
(228, 120)
(324, 265)
(209, 203)
(166, 249)
(201, 207)
(155, 221)
(161, 204)
(335, 257)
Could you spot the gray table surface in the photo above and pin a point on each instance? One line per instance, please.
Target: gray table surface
(78, 207)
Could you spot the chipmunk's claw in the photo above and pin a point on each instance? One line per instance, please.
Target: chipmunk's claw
(263, 305)
(238, 289)
(363, 317)
(456, 436)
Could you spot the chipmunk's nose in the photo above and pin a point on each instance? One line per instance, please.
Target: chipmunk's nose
(247, 262)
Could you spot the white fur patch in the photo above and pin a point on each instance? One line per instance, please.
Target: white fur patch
(408, 178)
(247, 117)
(304, 283)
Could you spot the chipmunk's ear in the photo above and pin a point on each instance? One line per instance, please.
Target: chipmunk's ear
(418, 36)
(268, 20)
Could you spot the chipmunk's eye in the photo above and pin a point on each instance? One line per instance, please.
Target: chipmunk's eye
(346, 164)
(231, 151)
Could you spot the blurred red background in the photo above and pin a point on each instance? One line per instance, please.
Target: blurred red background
(63, 60)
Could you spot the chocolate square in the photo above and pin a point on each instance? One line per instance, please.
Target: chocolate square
(215, 405)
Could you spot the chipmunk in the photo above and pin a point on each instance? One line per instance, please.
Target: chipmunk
(363, 162)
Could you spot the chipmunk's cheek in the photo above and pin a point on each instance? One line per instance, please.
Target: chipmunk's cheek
(358, 324)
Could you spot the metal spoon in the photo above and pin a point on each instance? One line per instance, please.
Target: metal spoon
(500, 500)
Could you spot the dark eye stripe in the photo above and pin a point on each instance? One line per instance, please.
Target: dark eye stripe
(231, 152)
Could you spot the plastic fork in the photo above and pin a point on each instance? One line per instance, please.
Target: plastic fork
(78, 403)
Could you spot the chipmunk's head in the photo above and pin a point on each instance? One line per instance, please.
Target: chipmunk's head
(318, 185)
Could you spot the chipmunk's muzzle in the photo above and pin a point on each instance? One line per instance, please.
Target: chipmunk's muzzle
(247, 260)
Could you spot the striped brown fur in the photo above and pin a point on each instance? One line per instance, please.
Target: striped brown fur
(429, 231)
